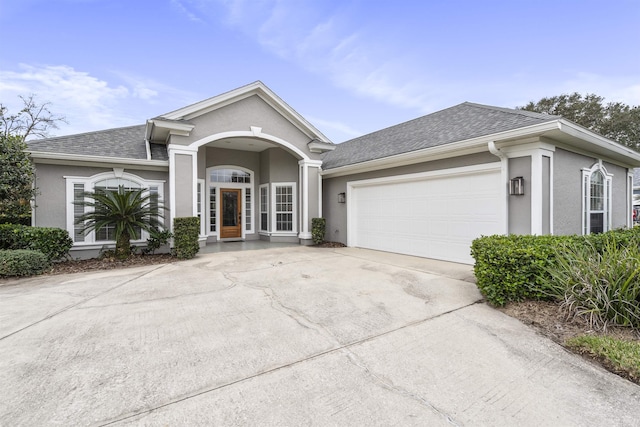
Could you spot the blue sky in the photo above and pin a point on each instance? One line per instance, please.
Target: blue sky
(349, 66)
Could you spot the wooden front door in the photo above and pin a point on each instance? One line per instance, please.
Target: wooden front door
(231, 209)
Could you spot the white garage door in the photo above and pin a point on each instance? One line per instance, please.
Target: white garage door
(429, 215)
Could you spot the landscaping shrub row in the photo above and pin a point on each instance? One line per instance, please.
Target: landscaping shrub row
(54, 243)
(516, 267)
(597, 275)
(22, 262)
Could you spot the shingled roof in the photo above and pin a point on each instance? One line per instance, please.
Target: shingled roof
(457, 123)
(126, 142)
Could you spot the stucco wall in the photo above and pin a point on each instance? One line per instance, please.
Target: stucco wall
(336, 213)
(221, 156)
(620, 195)
(184, 181)
(520, 206)
(51, 198)
(241, 116)
(567, 191)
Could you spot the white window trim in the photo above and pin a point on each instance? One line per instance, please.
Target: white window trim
(89, 182)
(241, 185)
(586, 197)
(272, 209)
(204, 207)
(263, 231)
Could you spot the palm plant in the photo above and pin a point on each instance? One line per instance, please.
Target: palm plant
(127, 211)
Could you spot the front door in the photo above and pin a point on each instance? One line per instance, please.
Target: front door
(231, 208)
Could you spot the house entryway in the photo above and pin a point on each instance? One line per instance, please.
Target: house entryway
(231, 209)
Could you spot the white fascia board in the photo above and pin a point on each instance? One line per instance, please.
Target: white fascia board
(320, 147)
(182, 129)
(455, 149)
(60, 158)
(412, 157)
(598, 140)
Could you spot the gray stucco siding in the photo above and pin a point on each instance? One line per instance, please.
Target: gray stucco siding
(619, 196)
(336, 213)
(520, 206)
(241, 116)
(184, 183)
(567, 191)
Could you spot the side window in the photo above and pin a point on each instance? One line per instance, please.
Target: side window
(596, 205)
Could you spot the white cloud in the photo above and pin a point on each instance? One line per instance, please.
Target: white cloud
(182, 8)
(340, 131)
(330, 45)
(88, 102)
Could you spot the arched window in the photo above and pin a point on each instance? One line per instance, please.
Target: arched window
(596, 205)
(76, 186)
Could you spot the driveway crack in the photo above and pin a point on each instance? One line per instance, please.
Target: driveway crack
(388, 385)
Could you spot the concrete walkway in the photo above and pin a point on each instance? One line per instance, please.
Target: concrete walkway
(287, 336)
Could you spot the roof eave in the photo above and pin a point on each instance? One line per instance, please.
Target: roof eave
(63, 158)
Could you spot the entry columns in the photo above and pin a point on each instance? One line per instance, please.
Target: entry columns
(310, 195)
(183, 181)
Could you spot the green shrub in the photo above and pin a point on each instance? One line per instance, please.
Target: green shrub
(156, 240)
(508, 268)
(54, 243)
(186, 231)
(598, 280)
(318, 227)
(22, 262)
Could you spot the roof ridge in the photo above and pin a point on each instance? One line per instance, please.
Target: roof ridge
(85, 133)
(527, 113)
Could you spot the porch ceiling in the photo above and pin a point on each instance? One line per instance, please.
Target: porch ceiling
(243, 144)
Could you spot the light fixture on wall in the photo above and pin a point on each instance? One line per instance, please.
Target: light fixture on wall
(342, 198)
(516, 186)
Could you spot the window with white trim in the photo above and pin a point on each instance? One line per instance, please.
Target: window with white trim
(284, 207)
(264, 207)
(596, 202)
(107, 181)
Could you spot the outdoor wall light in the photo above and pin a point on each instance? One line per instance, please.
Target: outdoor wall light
(516, 186)
(342, 198)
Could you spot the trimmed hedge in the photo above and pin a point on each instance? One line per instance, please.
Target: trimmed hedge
(186, 231)
(22, 262)
(54, 243)
(318, 228)
(516, 267)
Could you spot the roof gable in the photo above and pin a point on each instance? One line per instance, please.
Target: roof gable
(256, 88)
(458, 123)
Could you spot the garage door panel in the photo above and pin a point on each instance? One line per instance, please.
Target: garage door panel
(429, 217)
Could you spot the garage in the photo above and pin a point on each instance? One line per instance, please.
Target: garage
(433, 215)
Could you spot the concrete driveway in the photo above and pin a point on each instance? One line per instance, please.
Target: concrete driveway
(288, 337)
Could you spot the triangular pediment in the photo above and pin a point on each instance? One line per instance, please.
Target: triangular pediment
(258, 89)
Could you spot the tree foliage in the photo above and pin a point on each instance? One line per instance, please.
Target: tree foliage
(34, 119)
(128, 211)
(614, 120)
(16, 178)
(16, 169)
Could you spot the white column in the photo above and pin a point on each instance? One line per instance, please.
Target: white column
(174, 150)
